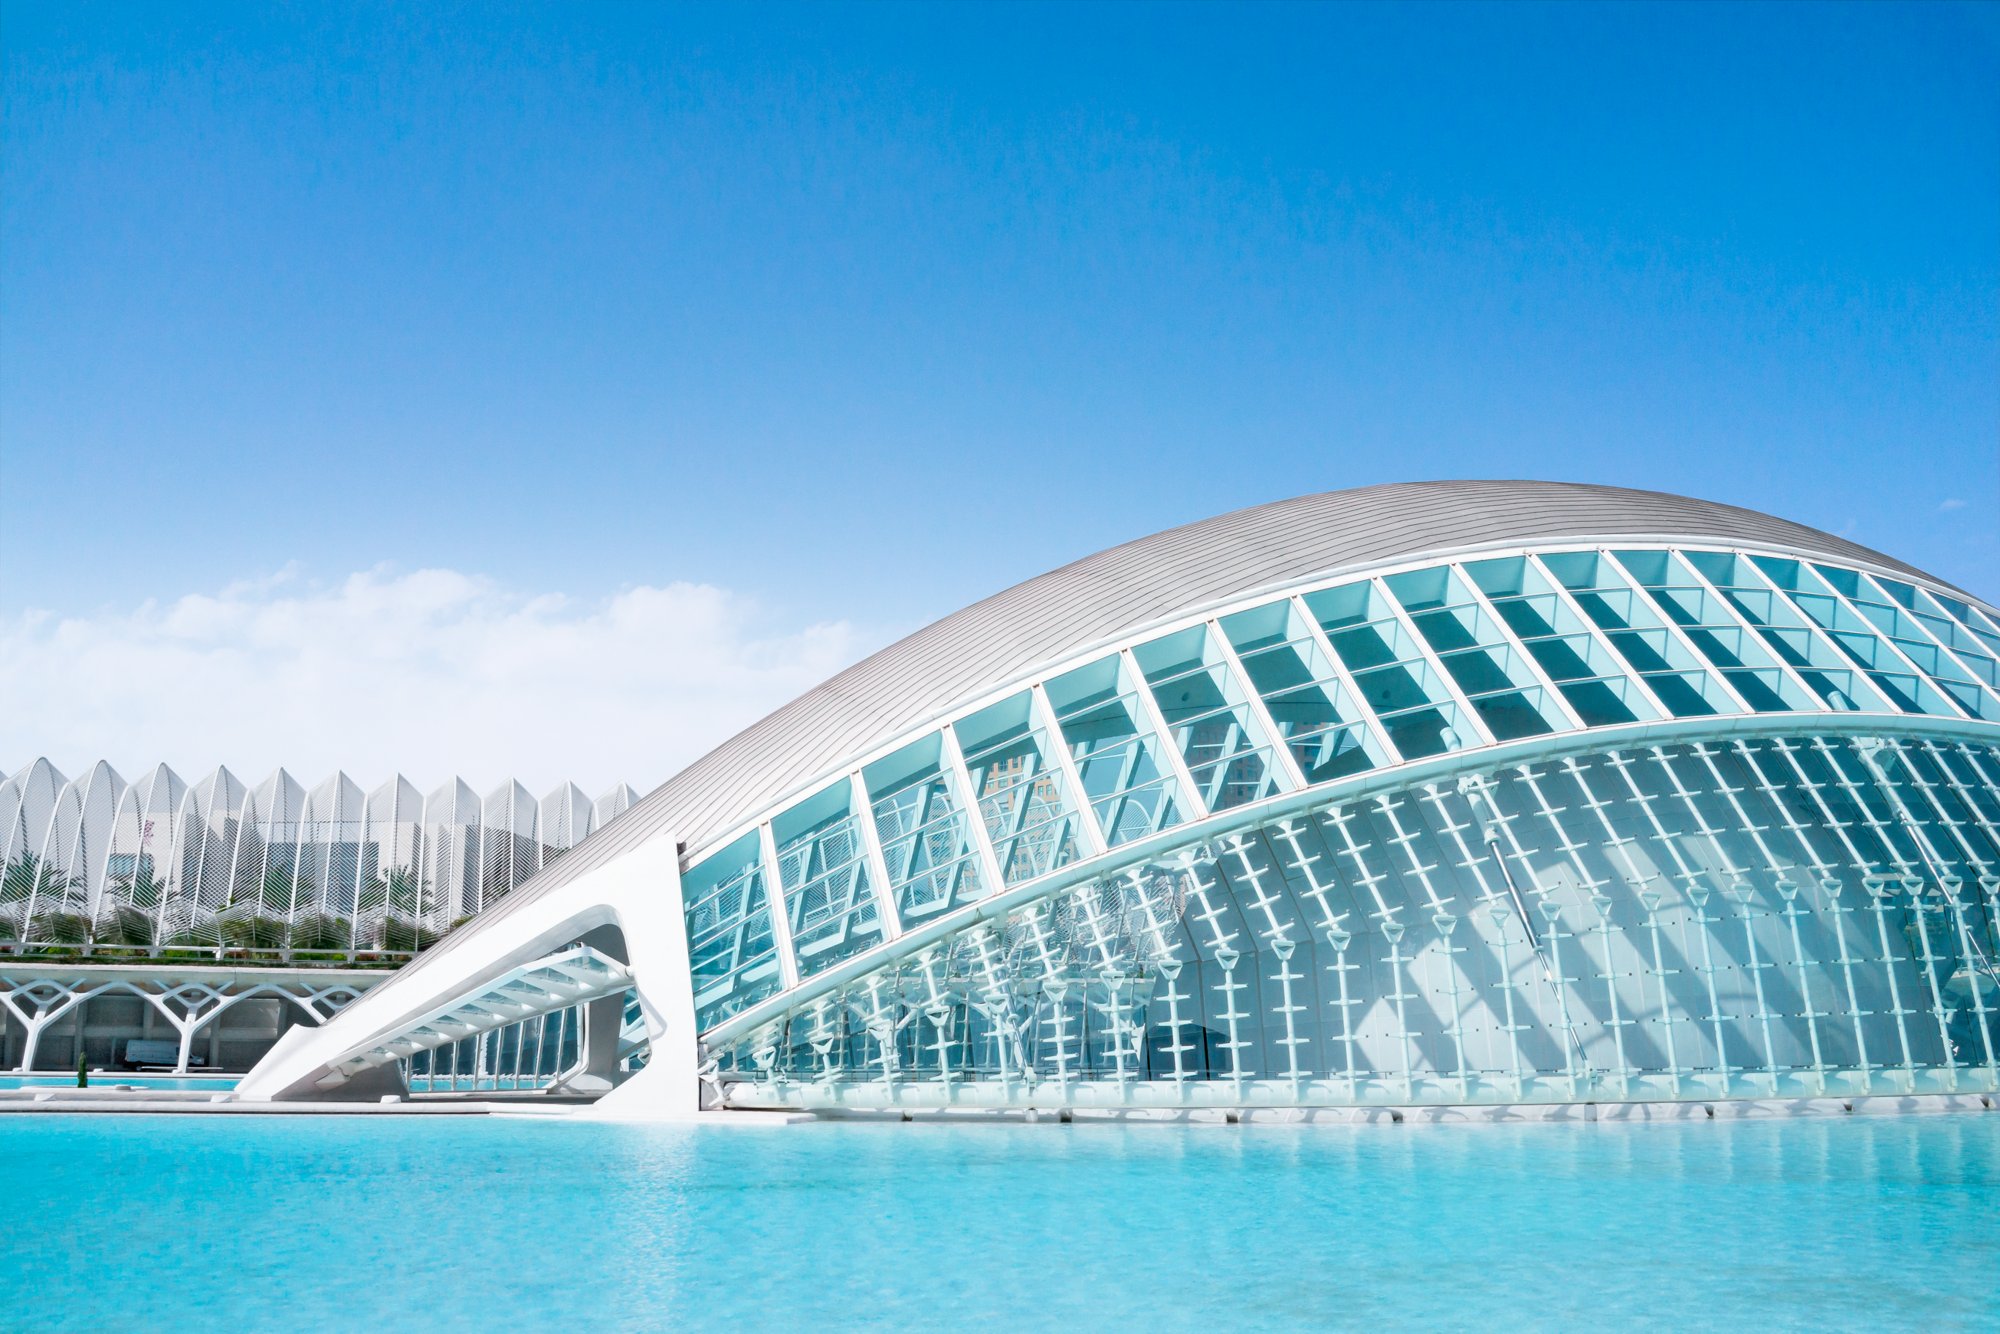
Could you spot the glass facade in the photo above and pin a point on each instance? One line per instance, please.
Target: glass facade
(1700, 867)
(1766, 917)
(927, 851)
(732, 950)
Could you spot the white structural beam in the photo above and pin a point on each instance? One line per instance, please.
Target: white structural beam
(953, 763)
(537, 987)
(1709, 586)
(631, 904)
(878, 865)
(781, 918)
(1602, 641)
(1431, 660)
(1156, 722)
(1349, 687)
(1281, 750)
(1074, 796)
(1513, 642)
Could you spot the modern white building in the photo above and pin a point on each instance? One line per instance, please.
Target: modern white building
(1441, 793)
(214, 915)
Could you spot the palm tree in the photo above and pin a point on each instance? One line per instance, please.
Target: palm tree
(27, 886)
(57, 926)
(126, 925)
(251, 931)
(322, 932)
(261, 920)
(143, 888)
(398, 895)
(128, 913)
(406, 936)
(282, 888)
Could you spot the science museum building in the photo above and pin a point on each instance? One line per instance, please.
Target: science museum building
(1438, 794)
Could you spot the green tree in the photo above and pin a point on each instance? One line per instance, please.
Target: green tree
(397, 894)
(58, 926)
(126, 925)
(144, 888)
(244, 928)
(261, 917)
(321, 932)
(34, 903)
(282, 889)
(31, 885)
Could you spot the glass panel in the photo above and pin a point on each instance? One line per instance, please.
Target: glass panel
(1906, 691)
(1504, 577)
(1753, 937)
(1608, 702)
(1428, 731)
(1573, 658)
(1590, 677)
(1973, 651)
(1972, 618)
(1315, 714)
(823, 866)
(1030, 819)
(1712, 626)
(920, 821)
(1116, 753)
(1205, 709)
(731, 952)
(1512, 714)
(1893, 617)
(1389, 669)
(1638, 634)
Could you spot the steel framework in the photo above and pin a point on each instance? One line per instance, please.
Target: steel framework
(277, 871)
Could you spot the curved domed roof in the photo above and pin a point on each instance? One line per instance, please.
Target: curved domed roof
(1121, 591)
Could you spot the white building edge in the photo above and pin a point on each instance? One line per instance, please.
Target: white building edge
(1442, 793)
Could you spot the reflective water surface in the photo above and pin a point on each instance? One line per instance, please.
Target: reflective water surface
(445, 1223)
(102, 1080)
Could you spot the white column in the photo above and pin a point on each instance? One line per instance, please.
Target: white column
(1191, 800)
(781, 922)
(878, 866)
(1076, 798)
(1282, 755)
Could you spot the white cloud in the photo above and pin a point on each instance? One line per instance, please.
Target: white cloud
(1953, 504)
(427, 673)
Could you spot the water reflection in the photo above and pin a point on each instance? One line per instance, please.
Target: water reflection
(324, 1223)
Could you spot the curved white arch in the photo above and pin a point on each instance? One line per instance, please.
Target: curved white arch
(1803, 656)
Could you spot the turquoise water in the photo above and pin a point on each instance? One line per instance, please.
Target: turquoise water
(447, 1223)
(105, 1080)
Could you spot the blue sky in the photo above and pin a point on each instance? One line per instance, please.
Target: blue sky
(856, 315)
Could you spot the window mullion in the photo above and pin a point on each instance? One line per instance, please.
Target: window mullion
(1701, 661)
(1515, 645)
(781, 921)
(1431, 660)
(1921, 675)
(1156, 721)
(1597, 636)
(1075, 797)
(878, 865)
(952, 760)
(1349, 687)
(1957, 656)
(1281, 751)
